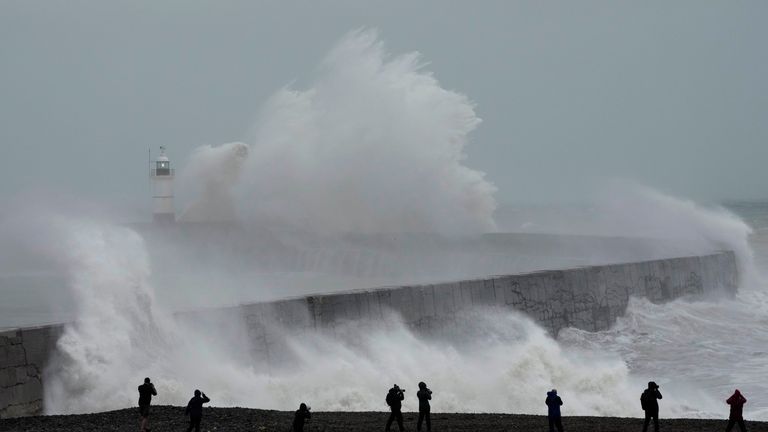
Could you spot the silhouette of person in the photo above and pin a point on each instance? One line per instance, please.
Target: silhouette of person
(736, 401)
(195, 410)
(146, 391)
(395, 398)
(649, 401)
(553, 402)
(302, 415)
(425, 395)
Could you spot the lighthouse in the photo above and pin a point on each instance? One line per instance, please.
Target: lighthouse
(162, 188)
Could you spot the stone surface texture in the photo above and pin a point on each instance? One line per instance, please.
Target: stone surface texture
(23, 356)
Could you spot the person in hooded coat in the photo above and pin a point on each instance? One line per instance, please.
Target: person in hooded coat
(650, 402)
(554, 402)
(302, 414)
(736, 401)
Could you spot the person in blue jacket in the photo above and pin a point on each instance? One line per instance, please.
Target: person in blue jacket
(553, 403)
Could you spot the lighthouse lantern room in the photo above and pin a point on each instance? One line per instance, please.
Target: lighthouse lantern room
(162, 186)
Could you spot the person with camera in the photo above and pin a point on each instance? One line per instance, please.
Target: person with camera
(302, 414)
(650, 403)
(146, 391)
(395, 399)
(554, 402)
(736, 401)
(195, 410)
(424, 395)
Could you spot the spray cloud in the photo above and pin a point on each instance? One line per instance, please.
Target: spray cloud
(121, 335)
(375, 144)
(212, 172)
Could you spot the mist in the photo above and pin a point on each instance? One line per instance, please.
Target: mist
(210, 174)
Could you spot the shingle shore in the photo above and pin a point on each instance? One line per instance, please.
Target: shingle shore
(170, 418)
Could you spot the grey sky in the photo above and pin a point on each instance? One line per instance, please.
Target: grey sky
(671, 94)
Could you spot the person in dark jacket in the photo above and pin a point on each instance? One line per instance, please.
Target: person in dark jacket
(736, 401)
(195, 410)
(425, 395)
(650, 403)
(553, 402)
(302, 415)
(146, 391)
(395, 399)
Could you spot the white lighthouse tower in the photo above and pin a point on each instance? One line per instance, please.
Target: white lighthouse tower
(162, 186)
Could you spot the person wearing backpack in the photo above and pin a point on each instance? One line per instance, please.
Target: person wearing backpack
(650, 403)
(395, 399)
(302, 415)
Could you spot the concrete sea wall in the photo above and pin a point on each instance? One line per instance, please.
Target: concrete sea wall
(24, 353)
(589, 298)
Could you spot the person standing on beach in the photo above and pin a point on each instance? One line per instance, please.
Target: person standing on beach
(553, 402)
(736, 401)
(395, 399)
(650, 402)
(302, 415)
(195, 410)
(146, 391)
(425, 395)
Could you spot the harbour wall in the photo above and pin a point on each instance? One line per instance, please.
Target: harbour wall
(588, 298)
(24, 354)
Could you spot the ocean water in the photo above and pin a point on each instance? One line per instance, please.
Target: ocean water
(702, 349)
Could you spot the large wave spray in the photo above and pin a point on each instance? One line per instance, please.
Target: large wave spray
(118, 328)
(375, 144)
(480, 364)
(121, 336)
(211, 173)
(634, 210)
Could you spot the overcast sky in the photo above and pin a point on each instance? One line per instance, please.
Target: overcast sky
(671, 94)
